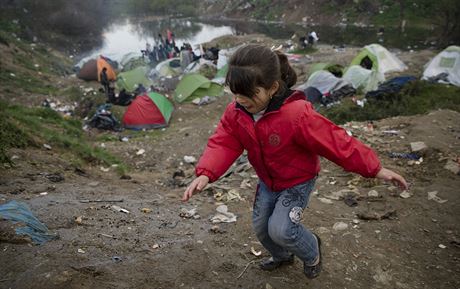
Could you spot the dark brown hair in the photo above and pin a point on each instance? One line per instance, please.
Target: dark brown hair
(256, 65)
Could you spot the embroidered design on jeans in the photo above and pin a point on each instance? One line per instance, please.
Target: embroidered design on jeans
(289, 199)
(296, 214)
(274, 139)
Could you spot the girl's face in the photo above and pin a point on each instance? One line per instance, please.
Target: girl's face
(259, 101)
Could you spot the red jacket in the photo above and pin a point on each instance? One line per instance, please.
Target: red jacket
(284, 145)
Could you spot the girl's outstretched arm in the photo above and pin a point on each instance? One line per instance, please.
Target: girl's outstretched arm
(396, 179)
(197, 184)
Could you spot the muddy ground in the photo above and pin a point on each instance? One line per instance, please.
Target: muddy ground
(155, 246)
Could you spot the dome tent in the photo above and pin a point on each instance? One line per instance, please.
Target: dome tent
(193, 86)
(91, 70)
(151, 110)
(378, 58)
(446, 64)
(129, 80)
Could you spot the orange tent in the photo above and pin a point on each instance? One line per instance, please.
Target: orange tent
(101, 63)
(91, 70)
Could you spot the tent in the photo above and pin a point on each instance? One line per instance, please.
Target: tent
(151, 110)
(378, 58)
(362, 78)
(324, 81)
(335, 69)
(193, 86)
(129, 80)
(91, 70)
(445, 66)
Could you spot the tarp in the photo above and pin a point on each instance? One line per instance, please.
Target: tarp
(151, 110)
(382, 60)
(194, 85)
(20, 212)
(363, 79)
(446, 62)
(129, 80)
(169, 68)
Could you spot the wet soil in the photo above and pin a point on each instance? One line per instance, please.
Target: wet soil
(154, 246)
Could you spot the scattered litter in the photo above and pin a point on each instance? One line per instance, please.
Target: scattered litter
(188, 214)
(155, 246)
(20, 212)
(325, 201)
(442, 246)
(410, 156)
(189, 159)
(355, 221)
(231, 195)
(117, 259)
(373, 194)
(340, 226)
(140, 152)
(340, 194)
(81, 251)
(433, 196)
(124, 139)
(255, 253)
(47, 146)
(405, 195)
(106, 235)
(79, 220)
(105, 169)
(418, 146)
(120, 209)
(452, 166)
(146, 210)
(350, 201)
(216, 229)
(376, 216)
(223, 216)
(101, 201)
(44, 194)
(391, 132)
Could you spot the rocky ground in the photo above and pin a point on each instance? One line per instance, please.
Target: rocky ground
(373, 235)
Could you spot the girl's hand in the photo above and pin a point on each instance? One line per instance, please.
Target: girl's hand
(197, 184)
(389, 175)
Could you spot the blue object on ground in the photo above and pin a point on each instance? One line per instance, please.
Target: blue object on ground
(410, 156)
(20, 212)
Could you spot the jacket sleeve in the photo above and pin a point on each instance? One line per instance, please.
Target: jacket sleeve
(222, 150)
(321, 136)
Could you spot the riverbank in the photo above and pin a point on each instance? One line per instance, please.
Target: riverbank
(132, 230)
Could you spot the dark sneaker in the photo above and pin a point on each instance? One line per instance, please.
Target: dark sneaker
(270, 264)
(313, 271)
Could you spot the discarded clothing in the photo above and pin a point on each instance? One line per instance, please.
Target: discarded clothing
(20, 212)
(103, 119)
(390, 88)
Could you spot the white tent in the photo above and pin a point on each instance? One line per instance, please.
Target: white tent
(447, 62)
(324, 81)
(363, 79)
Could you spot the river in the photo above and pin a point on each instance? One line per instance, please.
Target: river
(127, 36)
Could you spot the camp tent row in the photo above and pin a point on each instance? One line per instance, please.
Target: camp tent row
(371, 65)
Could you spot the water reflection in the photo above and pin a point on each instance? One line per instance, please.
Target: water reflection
(127, 36)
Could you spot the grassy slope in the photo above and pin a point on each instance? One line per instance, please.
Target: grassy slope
(29, 73)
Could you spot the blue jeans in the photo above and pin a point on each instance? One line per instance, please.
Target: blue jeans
(277, 222)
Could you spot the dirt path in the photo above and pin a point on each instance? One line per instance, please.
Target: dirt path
(158, 248)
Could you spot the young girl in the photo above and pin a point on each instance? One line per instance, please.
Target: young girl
(284, 138)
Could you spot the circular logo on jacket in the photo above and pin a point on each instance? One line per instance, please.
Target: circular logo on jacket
(274, 139)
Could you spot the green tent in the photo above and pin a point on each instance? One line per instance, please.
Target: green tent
(193, 86)
(130, 79)
(378, 58)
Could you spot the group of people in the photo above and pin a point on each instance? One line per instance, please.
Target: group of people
(164, 48)
(308, 40)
